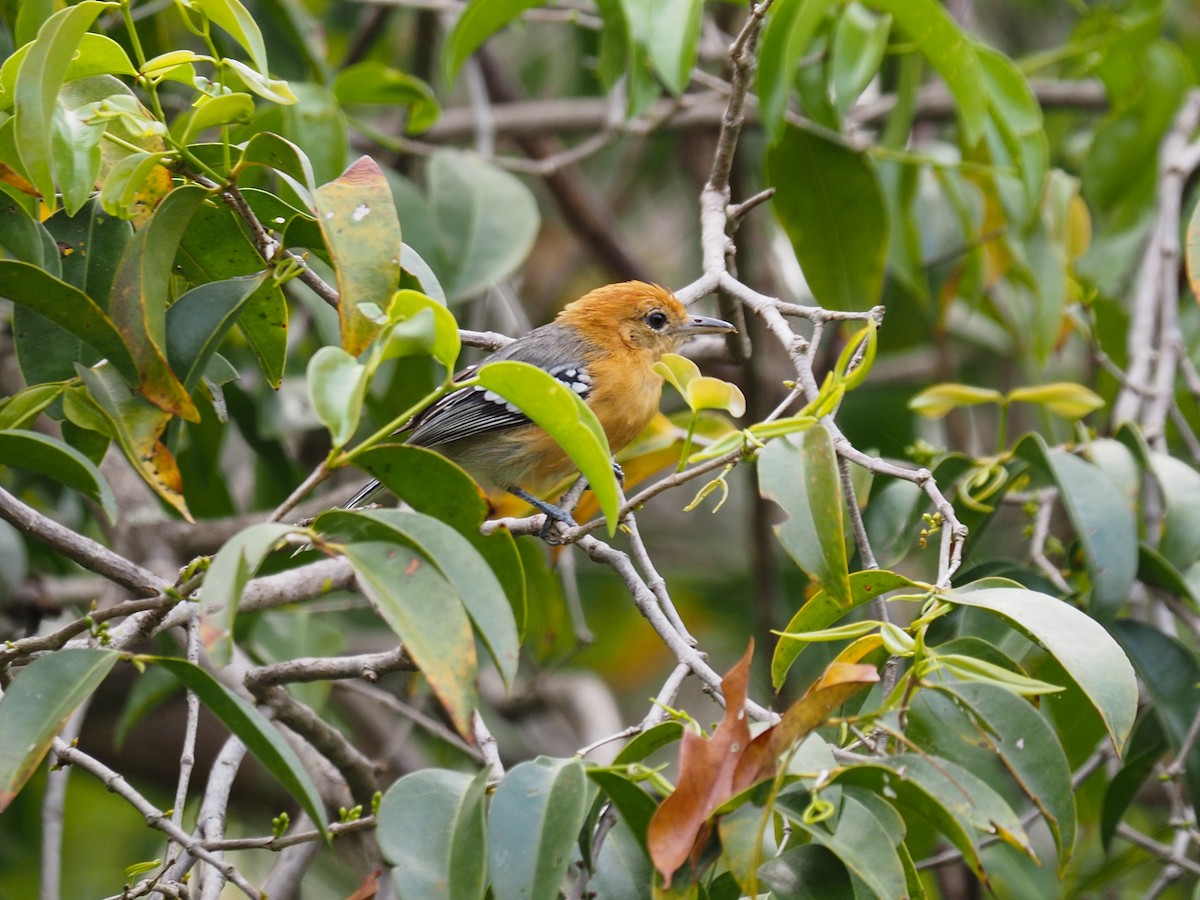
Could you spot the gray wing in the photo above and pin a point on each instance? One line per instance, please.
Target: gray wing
(473, 411)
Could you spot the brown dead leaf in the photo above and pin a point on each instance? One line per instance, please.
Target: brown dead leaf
(706, 777)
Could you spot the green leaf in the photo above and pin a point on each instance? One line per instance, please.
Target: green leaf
(1082, 647)
(1100, 517)
(822, 610)
(830, 203)
(1071, 401)
(1170, 672)
(785, 40)
(61, 462)
(272, 89)
(804, 481)
(232, 16)
(807, 872)
(860, 842)
(68, 307)
(561, 413)
(75, 142)
(199, 320)
(939, 39)
(432, 828)
(473, 581)
(139, 298)
(225, 580)
(37, 704)
(484, 220)
(361, 228)
(947, 796)
(422, 608)
(999, 736)
(23, 407)
(939, 399)
(537, 812)
(445, 344)
(209, 112)
(474, 25)
(859, 40)
(668, 33)
(376, 83)
(336, 384)
(432, 484)
(261, 738)
(633, 804)
(91, 244)
(41, 73)
(1180, 487)
(216, 248)
(281, 155)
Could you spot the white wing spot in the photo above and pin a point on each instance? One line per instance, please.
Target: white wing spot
(492, 397)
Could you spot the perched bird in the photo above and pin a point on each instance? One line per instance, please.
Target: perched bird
(603, 346)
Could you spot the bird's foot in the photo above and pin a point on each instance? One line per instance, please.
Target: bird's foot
(618, 472)
(555, 515)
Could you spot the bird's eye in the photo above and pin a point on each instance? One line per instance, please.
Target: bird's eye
(657, 320)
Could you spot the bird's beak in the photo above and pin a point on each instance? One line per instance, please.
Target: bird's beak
(703, 325)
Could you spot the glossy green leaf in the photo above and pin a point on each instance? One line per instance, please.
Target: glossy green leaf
(67, 307)
(469, 575)
(807, 872)
(1171, 674)
(860, 842)
(199, 320)
(667, 32)
(139, 298)
(375, 83)
(1099, 516)
(804, 481)
(1144, 751)
(432, 828)
(1015, 109)
(940, 40)
(633, 804)
(38, 453)
(261, 738)
(210, 112)
(20, 409)
(109, 407)
(361, 228)
(423, 609)
(859, 40)
(231, 568)
(122, 187)
(622, 867)
(830, 203)
(215, 248)
(75, 142)
(484, 221)
(649, 741)
(37, 704)
(445, 342)
(474, 25)
(561, 413)
(336, 384)
(39, 77)
(273, 89)
(939, 399)
(998, 736)
(91, 243)
(785, 40)
(281, 155)
(1081, 646)
(1180, 487)
(533, 825)
(432, 484)
(232, 16)
(947, 796)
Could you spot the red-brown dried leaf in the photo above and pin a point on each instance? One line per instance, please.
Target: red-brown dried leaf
(838, 683)
(706, 773)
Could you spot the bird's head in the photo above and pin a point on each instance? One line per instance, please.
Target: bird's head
(645, 317)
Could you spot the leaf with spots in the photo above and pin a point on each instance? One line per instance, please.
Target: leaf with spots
(361, 228)
(421, 606)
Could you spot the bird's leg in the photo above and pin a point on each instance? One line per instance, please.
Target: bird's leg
(618, 472)
(554, 514)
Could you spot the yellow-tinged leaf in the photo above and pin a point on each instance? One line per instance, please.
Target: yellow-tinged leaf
(1066, 399)
(707, 392)
(679, 370)
(940, 399)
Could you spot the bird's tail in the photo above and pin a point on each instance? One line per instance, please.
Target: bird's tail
(364, 496)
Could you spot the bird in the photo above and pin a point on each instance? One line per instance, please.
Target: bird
(603, 346)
